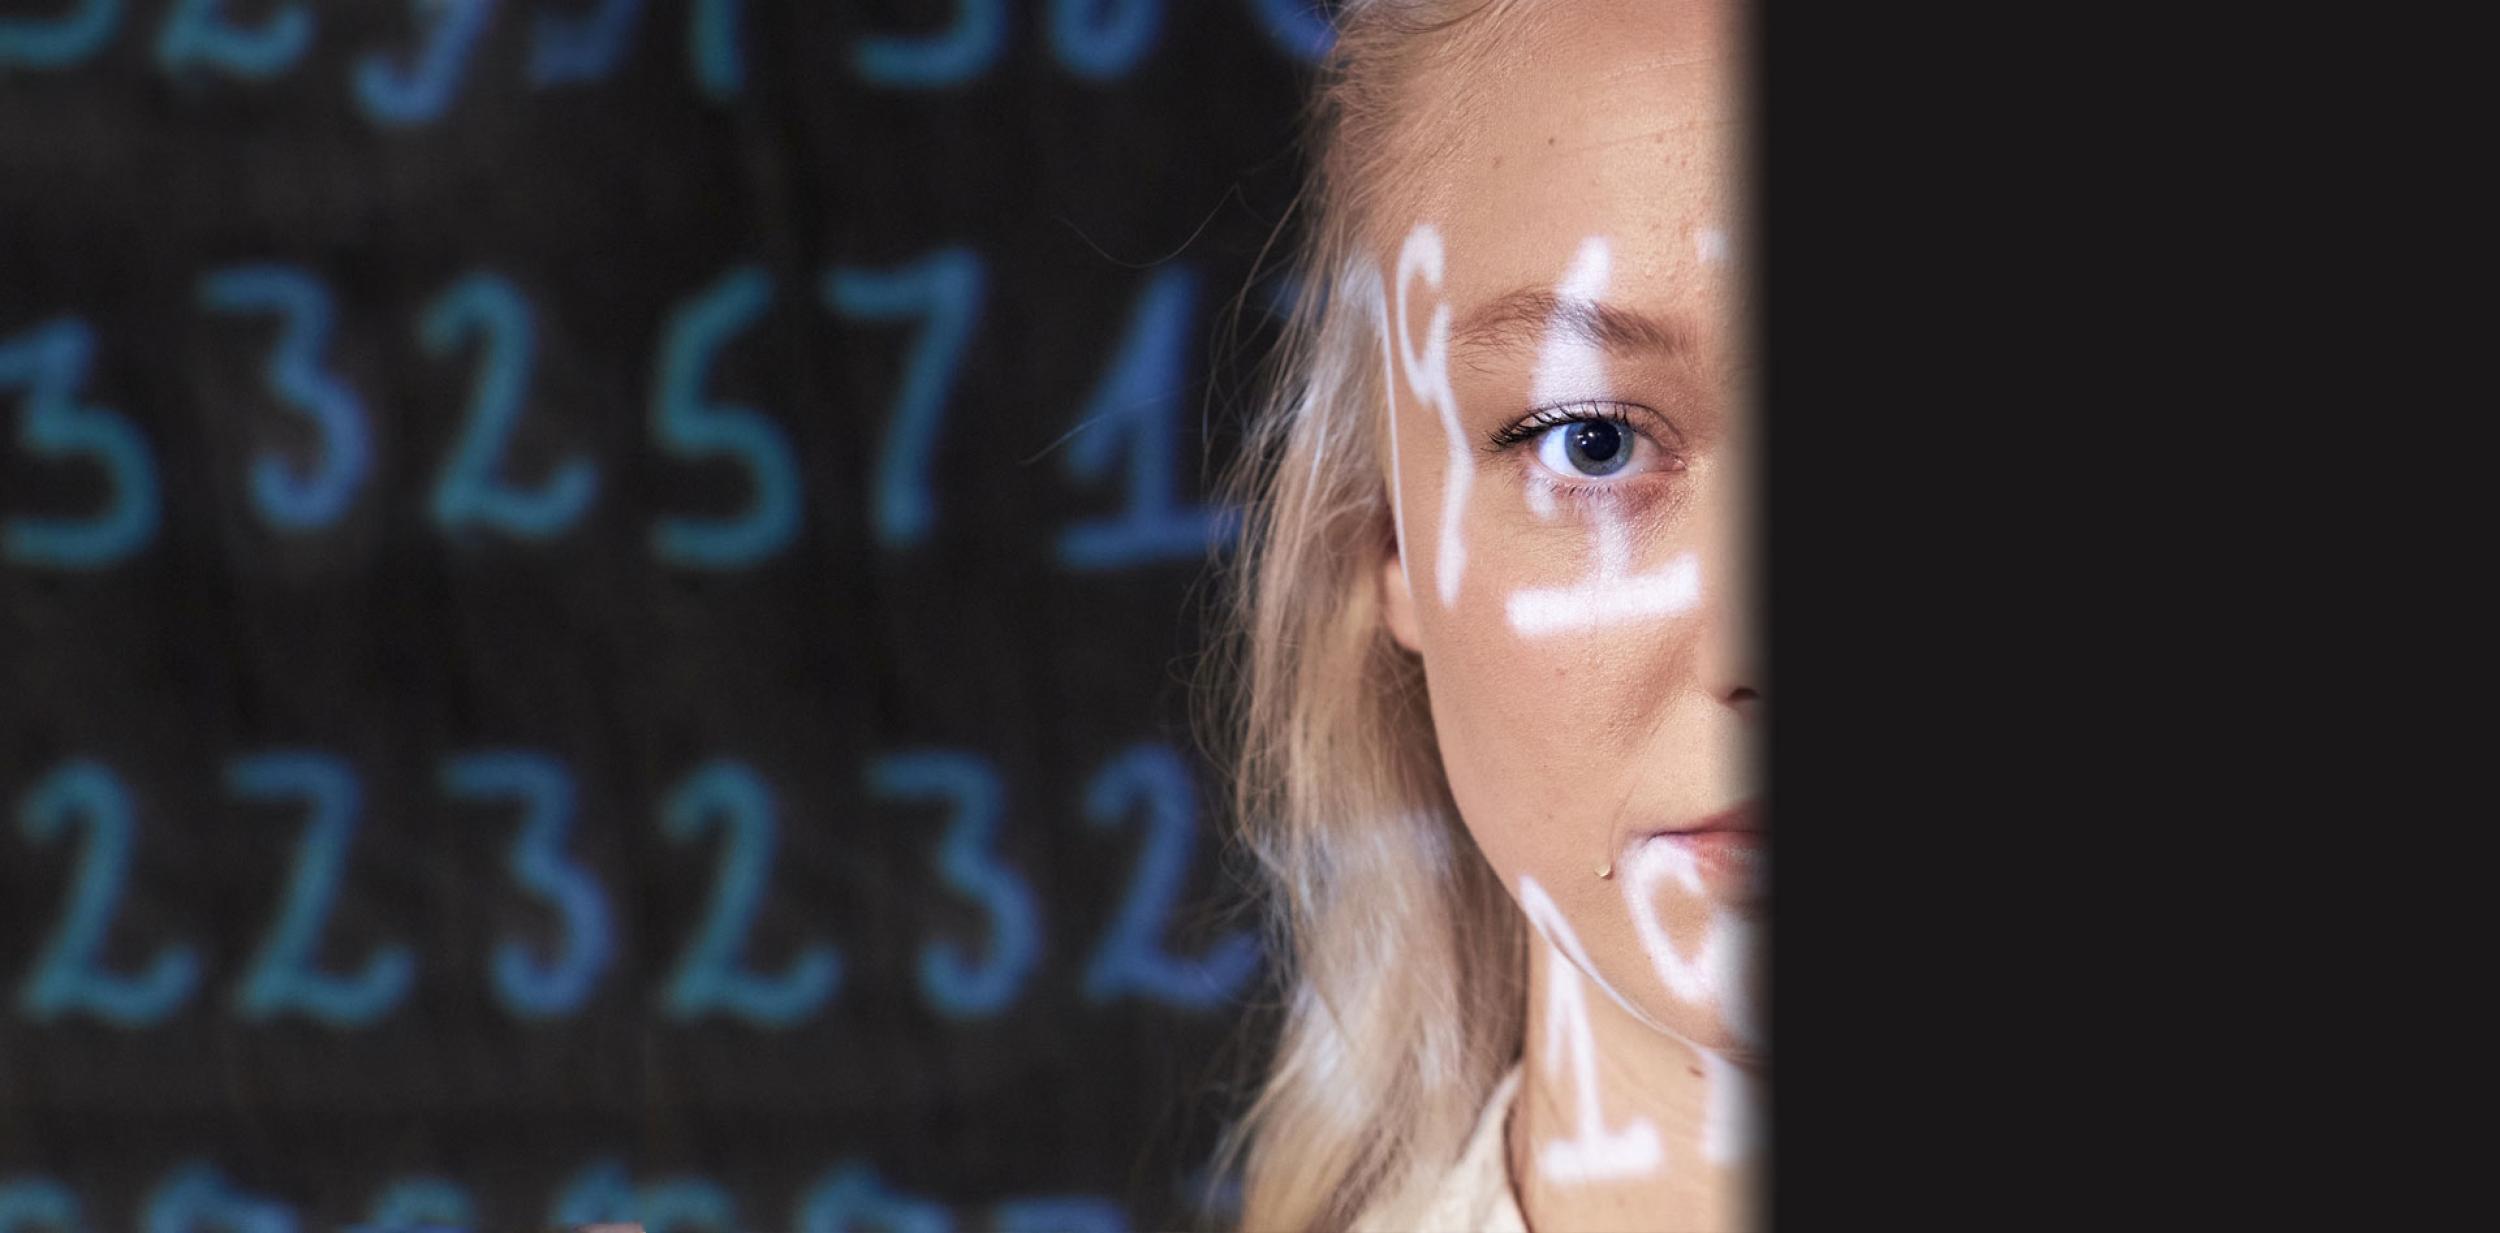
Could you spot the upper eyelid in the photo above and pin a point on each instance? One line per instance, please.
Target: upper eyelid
(1520, 430)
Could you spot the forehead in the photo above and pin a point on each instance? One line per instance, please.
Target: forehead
(1613, 118)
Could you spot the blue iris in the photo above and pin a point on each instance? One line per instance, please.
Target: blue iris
(1595, 447)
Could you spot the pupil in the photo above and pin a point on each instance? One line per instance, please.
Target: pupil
(1594, 446)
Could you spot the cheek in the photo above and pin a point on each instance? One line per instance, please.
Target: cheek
(1544, 740)
(1545, 743)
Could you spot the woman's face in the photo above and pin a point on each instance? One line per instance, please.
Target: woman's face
(1570, 435)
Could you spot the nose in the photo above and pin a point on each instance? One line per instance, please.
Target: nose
(1729, 663)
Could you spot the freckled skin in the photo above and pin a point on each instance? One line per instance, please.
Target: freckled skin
(1612, 118)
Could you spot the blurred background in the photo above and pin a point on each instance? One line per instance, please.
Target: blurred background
(597, 601)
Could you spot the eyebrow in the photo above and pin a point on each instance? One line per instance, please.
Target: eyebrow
(1523, 317)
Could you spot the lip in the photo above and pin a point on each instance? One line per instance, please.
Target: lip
(1727, 848)
(1744, 818)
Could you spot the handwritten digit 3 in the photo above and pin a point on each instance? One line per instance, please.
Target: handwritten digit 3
(320, 496)
(51, 362)
(537, 861)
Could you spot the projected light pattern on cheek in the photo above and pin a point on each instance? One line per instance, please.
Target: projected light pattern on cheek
(1428, 377)
(1593, 1152)
(1712, 973)
(1570, 366)
(1730, 1130)
(1387, 326)
(1710, 246)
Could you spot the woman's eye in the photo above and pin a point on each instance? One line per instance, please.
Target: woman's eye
(1586, 449)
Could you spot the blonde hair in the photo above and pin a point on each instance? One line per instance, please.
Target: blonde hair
(1402, 957)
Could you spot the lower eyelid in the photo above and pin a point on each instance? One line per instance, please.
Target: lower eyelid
(1606, 488)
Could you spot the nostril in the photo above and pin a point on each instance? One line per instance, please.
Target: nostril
(1745, 698)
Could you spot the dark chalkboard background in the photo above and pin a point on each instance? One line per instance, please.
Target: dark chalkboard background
(558, 656)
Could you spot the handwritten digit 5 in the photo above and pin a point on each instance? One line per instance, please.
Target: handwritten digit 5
(689, 426)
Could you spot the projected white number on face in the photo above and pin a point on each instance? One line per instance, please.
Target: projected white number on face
(1428, 375)
(1572, 367)
(1592, 1153)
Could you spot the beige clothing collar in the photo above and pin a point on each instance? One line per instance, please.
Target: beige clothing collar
(1476, 1195)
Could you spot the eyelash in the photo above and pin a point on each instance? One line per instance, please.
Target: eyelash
(1536, 423)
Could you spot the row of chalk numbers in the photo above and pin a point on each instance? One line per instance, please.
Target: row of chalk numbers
(195, 1196)
(584, 42)
(1132, 414)
(722, 801)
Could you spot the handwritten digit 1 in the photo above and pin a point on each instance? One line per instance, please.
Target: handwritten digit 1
(1593, 1152)
(1570, 366)
(1135, 412)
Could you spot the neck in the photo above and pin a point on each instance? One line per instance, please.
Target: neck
(1620, 1126)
